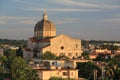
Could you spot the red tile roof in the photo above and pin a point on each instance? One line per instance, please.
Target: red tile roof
(37, 40)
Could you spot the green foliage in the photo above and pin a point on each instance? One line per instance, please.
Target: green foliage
(104, 46)
(1, 72)
(59, 78)
(20, 70)
(113, 48)
(48, 56)
(3, 58)
(53, 78)
(102, 57)
(86, 70)
(8, 53)
(14, 42)
(19, 52)
(113, 68)
(85, 54)
(16, 68)
(62, 57)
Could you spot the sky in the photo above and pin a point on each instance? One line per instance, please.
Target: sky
(83, 19)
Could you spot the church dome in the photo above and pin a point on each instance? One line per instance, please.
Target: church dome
(44, 28)
(44, 24)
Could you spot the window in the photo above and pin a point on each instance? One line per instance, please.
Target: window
(35, 51)
(76, 45)
(53, 63)
(65, 73)
(62, 47)
(76, 54)
(58, 73)
(35, 54)
(69, 54)
(71, 73)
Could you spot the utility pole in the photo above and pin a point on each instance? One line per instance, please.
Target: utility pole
(95, 74)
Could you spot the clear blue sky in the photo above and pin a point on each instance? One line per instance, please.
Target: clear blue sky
(84, 19)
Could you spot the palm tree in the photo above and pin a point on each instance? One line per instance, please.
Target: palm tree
(86, 70)
(113, 69)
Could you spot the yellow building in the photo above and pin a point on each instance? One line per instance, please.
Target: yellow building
(62, 73)
(54, 68)
(45, 39)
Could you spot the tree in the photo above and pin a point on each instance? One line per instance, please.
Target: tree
(113, 48)
(20, 70)
(3, 59)
(32, 73)
(104, 46)
(48, 56)
(113, 68)
(85, 54)
(63, 57)
(2, 70)
(17, 68)
(102, 57)
(9, 52)
(53, 78)
(19, 52)
(86, 70)
(1, 73)
(59, 78)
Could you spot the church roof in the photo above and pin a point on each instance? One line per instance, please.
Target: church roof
(43, 40)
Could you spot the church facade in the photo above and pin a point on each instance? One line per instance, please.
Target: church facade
(45, 39)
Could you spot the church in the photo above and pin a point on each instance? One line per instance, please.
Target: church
(45, 39)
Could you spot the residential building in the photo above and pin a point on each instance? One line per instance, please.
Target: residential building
(54, 68)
